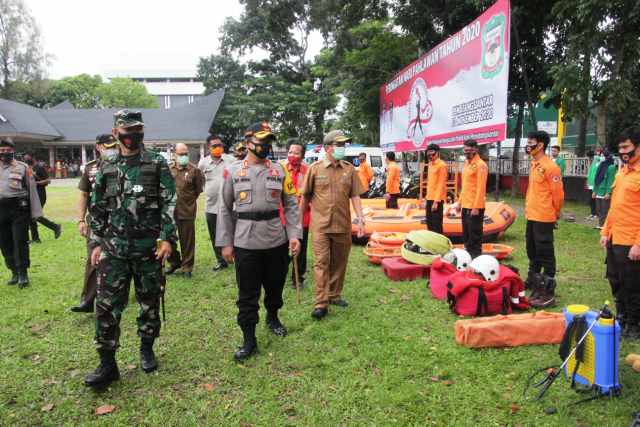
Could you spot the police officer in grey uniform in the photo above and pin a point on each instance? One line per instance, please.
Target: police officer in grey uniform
(255, 236)
(19, 203)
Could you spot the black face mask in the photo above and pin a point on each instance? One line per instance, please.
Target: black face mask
(131, 140)
(261, 150)
(29, 162)
(7, 157)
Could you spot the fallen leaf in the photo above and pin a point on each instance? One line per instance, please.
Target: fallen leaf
(405, 298)
(47, 407)
(392, 290)
(447, 382)
(209, 386)
(105, 409)
(514, 408)
(38, 328)
(131, 367)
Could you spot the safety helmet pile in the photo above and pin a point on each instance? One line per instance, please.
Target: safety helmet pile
(486, 266)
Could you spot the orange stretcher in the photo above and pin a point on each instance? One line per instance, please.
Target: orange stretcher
(411, 216)
(511, 330)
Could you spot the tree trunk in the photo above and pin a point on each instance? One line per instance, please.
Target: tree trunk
(586, 79)
(515, 172)
(601, 124)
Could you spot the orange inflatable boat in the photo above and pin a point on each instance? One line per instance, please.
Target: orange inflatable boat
(498, 217)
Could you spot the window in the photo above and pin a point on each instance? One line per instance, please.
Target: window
(376, 161)
(167, 102)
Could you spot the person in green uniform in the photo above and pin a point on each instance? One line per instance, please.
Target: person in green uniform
(602, 186)
(555, 156)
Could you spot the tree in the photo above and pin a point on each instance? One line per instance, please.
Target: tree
(599, 51)
(22, 57)
(80, 90)
(122, 92)
(377, 52)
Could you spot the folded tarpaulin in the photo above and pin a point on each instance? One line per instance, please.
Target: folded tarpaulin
(511, 330)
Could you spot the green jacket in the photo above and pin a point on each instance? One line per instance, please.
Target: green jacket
(591, 177)
(132, 205)
(562, 164)
(604, 189)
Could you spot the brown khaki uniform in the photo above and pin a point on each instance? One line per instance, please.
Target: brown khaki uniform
(329, 188)
(189, 185)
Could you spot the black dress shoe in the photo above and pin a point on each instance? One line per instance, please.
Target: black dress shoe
(57, 231)
(23, 279)
(319, 313)
(171, 269)
(340, 303)
(246, 351)
(83, 308)
(277, 327)
(219, 267)
(14, 278)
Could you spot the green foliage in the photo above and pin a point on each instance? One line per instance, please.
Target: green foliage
(80, 90)
(125, 93)
(390, 358)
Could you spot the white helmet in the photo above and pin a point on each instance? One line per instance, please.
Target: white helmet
(487, 266)
(459, 258)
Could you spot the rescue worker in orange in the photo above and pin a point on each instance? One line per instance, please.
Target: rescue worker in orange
(545, 196)
(393, 181)
(436, 189)
(474, 188)
(329, 186)
(365, 172)
(621, 235)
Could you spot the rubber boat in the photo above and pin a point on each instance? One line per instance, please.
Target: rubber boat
(498, 217)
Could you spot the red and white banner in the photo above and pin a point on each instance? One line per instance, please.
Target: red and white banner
(457, 91)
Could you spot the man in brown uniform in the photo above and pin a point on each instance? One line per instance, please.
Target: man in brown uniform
(106, 147)
(328, 187)
(189, 185)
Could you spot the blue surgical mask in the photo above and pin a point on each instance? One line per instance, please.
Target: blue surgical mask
(338, 153)
(183, 160)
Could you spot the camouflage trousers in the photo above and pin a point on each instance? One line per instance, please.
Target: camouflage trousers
(114, 280)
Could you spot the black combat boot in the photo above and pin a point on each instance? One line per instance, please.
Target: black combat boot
(148, 360)
(106, 372)
(546, 296)
(534, 284)
(275, 325)
(14, 278)
(23, 279)
(249, 345)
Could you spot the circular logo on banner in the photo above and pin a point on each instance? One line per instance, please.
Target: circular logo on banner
(420, 111)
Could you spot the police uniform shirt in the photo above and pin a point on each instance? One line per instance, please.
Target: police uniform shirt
(259, 188)
(16, 181)
(213, 171)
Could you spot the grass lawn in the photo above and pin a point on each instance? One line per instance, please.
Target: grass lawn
(388, 359)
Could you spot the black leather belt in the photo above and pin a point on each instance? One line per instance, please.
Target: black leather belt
(258, 216)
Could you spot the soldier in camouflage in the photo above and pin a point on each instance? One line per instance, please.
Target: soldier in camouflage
(132, 223)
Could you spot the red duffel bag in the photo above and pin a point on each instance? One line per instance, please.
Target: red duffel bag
(468, 294)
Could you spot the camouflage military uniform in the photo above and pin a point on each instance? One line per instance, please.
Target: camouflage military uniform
(131, 208)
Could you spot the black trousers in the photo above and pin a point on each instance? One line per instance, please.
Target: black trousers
(302, 257)
(435, 219)
(624, 278)
(472, 232)
(15, 216)
(257, 269)
(211, 225)
(592, 203)
(392, 203)
(540, 251)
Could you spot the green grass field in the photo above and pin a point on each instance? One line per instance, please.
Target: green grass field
(388, 359)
